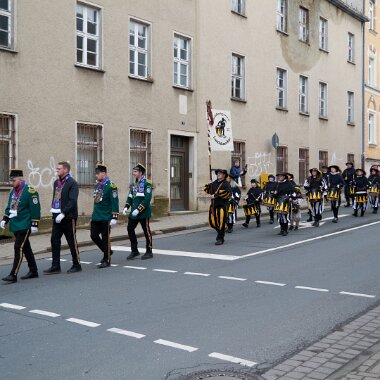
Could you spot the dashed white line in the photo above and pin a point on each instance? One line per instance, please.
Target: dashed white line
(358, 294)
(83, 322)
(46, 313)
(175, 345)
(270, 283)
(232, 359)
(313, 289)
(132, 267)
(12, 306)
(126, 332)
(63, 260)
(165, 270)
(198, 274)
(86, 262)
(114, 265)
(232, 278)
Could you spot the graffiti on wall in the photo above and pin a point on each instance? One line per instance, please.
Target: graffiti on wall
(260, 162)
(44, 177)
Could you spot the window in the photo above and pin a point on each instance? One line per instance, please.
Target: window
(371, 72)
(238, 77)
(350, 107)
(304, 95)
(371, 15)
(323, 158)
(351, 48)
(303, 20)
(89, 152)
(323, 34)
(88, 36)
(6, 24)
(282, 159)
(371, 128)
(323, 100)
(238, 6)
(303, 165)
(181, 68)
(282, 15)
(282, 88)
(140, 150)
(138, 49)
(7, 146)
(351, 158)
(239, 154)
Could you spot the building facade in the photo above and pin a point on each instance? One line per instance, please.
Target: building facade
(127, 81)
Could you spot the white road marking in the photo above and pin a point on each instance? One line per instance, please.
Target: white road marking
(358, 294)
(43, 312)
(49, 259)
(304, 224)
(63, 260)
(86, 262)
(12, 306)
(198, 274)
(126, 332)
(165, 270)
(175, 345)
(114, 265)
(314, 289)
(270, 283)
(131, 267)
(232, 278)
(232, 359)
(83, 322)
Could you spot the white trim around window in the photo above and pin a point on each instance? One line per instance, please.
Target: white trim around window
(303, 20)
(282, 16)
(237, 76)
(238, 6)
(372, 138)
(350, 107)
(7, 25)
(372, 15)
(351, 48)
(182, 61)
(323, 34)
(303, 94)
(372, 71)
(323, 100)
(281, 88)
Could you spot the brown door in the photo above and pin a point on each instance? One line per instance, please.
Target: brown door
(179, 175)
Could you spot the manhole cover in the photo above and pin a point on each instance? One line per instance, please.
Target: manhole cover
(222, 375)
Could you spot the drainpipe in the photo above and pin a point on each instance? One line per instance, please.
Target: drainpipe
(363, 91)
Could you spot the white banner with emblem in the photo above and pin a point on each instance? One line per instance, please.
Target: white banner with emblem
(221, 132)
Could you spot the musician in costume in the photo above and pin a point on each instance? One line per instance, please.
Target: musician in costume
(295, 215)
(23, 214)
(105, 213)
(290, 177)
(283, 194)
(360, 185)
(138, 200)
(348, 176)
(233, 204)
(254, 198)
(315, 185)
(268, 200)
(374, 189)
(220, 191)
(335, 184)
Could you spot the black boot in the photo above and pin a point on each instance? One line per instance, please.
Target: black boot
(230, 227)
(54, 269)
(355, 212)
(75, 269)
(374, 210)
(271, 216)
(310, 218)
(10, 278)
(245, 224)
(133, 255)
(104, 264)
(362, 212)
(30, 274)
(147, 255)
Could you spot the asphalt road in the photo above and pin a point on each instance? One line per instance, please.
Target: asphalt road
(248, 304)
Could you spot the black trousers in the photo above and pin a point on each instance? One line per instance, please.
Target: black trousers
(103, 229)
(132, 224)
(335, 207)
(67, 227)
(21, 247)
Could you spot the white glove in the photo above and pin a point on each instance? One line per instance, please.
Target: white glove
(135, 212)
(113, 222)
(12, 214)
(33, 230)
(125, 211)
(2, 224)
(59, 218)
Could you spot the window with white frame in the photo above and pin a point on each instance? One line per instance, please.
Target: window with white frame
(88, 35)
(282, 88)
(89, 151)
(140, 150)
(304, 94)
(6, 24)
(323, 98)
(282, 15)
(371, 14)
(181, 56)
(7, 146)
(351, 48)
(371, 128)
(238, 6)
(303, 19)
(238, 77)
(139, 49)
(323, 33)
(350, 107)
(371, 72)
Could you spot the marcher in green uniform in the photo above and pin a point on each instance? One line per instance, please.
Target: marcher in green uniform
(23, 214)
(139, 197)
(105, 214)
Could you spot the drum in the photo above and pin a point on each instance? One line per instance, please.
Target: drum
(314, 195)
(374, 190)
(333, 194)
(282, 206)
(361, 197)
(269, 200)
(351, 190)
(249, 210)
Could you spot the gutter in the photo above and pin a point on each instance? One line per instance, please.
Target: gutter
(355, 13)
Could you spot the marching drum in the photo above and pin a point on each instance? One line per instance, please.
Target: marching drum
(282, 205)
(374, 190)
(249, 210)
(361, 196)
(314, 195)
(269, 200)
(333, 194)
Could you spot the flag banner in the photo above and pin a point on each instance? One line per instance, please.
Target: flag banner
(221, 132)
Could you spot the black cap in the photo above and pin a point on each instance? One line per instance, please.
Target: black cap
(337, 168)
(362, 170)
(349, 163)
(315, 169)
(271, 176)
(254, 180)
(140, 167)
(100, 168)
(16, 173)
(283, 174)
(221, 171)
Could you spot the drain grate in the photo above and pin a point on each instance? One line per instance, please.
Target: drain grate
(222, 375)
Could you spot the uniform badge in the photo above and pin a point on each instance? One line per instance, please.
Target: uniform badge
(35, 200)
(148, 190)
(114, 194)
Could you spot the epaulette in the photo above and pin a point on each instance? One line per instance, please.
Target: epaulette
(149, 181)
(113, 185)
(32, 190)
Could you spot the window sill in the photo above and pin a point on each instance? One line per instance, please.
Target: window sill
(305, 42)
(89, 68)
(372, 145)
(351, 124)
(238, 14)
(324, 50)
(325, 118)
(285, 33)
(304, 113)
(351, 62)
(8, 50)
(372, 31)
(282, 109)
(183, 88)
(239, 100)
(146, 80)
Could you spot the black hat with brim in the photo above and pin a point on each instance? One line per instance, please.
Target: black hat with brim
(350, 163)
(315, 169)
(336, 167)
(361, 170)
(283, 174)
(221, 171)
(140, 167)
(100, 168)
(290, 175)
(14, 173)
(271, 176)
(254, 180)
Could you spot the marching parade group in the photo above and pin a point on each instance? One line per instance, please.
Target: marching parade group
(285, 197)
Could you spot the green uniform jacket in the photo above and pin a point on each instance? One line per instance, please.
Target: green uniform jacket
(28, 212)
(140, 200)
(106, 205)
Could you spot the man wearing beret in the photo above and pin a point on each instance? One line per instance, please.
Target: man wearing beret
(23, 213)
(138, 200)
(105, 214)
